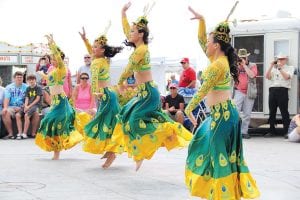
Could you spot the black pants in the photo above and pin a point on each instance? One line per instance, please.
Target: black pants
(279, 97)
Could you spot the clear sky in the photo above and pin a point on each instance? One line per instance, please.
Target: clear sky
(173, 33)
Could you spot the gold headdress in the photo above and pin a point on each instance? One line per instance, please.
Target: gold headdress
(222, 30)
(142, 21)
(102, 39)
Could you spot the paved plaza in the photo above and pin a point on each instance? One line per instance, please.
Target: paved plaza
(28, 173)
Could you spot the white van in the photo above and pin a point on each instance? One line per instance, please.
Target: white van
(264, 39)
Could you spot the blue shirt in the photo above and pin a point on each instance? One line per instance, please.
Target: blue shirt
(16, 95)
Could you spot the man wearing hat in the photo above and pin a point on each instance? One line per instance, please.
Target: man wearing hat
(175, 104)
(187, 81)
(244, 103)
(280, 76)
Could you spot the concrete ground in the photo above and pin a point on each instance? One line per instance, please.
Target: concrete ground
(28, 173)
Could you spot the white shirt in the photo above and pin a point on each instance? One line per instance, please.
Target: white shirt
(277, 79)
(85, 69)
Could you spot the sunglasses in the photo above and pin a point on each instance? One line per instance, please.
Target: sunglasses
(84, 78)
(86, 57)
(172, 88)
(182, 63)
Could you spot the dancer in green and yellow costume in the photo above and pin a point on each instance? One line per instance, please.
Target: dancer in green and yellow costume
(57, 130)
(143, 127)
(215, 165)
(98, 132)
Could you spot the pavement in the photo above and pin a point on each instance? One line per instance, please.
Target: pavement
(28, 173)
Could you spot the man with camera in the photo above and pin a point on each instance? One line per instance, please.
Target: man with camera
(280, 76)
(247, 70)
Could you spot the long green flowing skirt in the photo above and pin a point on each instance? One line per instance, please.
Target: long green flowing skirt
(215, 165)
(57, 130)
(143, 127)
(98, 132)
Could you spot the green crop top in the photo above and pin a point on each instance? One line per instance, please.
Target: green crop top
(215, 77)
(139, 60)
(99, 68)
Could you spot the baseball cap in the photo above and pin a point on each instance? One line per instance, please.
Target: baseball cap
(184, 60)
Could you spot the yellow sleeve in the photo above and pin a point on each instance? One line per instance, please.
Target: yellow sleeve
(88, 46)
(126, 27)
(202, 34)
(95, 78)
(214, 73)
(134, 61)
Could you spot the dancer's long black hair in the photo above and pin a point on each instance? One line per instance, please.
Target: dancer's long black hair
(232, 58)
(144, 30)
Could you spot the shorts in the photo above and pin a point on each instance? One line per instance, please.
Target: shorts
(32, 110)
(12, 112)
(294, 136)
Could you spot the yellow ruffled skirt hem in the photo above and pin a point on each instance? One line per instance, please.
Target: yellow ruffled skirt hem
(169, 135)
(95, 146)
(59, 142)
(231, 187)
(81, 119)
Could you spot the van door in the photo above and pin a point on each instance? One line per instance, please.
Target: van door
(286, 43)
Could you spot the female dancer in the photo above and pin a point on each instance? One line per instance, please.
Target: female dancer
(215, 166)
(57, 130)
(143, 127)
(98, 132)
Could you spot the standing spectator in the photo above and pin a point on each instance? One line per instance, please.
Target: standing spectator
(174, 103)
(13, 103)
(2, 89)
(294, 129)
(187, 81)
(43, 65)
(280, 76)
(173, 79)
(86, 68)
(33, 96)
(244, 104)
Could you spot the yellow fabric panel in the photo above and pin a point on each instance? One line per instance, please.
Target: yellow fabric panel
(126, 27)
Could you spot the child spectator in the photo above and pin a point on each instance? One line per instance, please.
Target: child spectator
(31, 107)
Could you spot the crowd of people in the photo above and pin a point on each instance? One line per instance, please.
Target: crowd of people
(91, 111)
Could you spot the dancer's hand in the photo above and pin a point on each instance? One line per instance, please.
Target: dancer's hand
(193, 120)
(98, 94)
(121, 89)
(82, 35)
(126, 7)
(196, 15)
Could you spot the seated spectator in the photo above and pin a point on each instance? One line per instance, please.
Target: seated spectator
(174, 103)
(1, 100)
(82, 96)
(13, 103)
(46, 100)
(294, 129)
(187, 81)
(84, 102)
(31, 108)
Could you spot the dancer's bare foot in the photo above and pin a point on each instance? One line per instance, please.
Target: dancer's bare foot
(105, 155)
(56, 155)
(110, 159)
(138, 164)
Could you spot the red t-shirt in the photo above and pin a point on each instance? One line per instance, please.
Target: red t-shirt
(187, 76)
(243, 77)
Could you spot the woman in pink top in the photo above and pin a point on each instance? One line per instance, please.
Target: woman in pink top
(83, 102)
